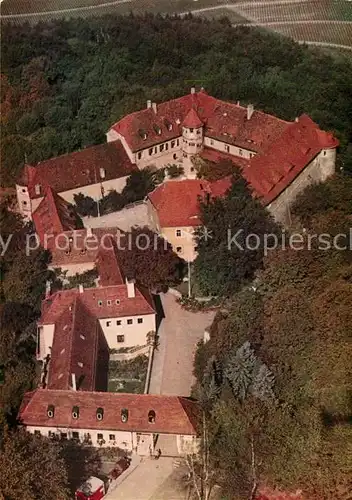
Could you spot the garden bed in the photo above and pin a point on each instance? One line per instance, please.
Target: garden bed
(128, 376)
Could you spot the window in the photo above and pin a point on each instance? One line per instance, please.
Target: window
(63, 435)
(166, 146)
(227, 148)
(161, 147)
(140, 320)
(51, 434)
(120, 339)
(111, 437)
(192, 169)
(124, 415)
(191, 130)
(211, 142)
(118, 322)
(324, 153)
(139, 155)
(192, 144)
(178, 233)
(150, 151)
(24, 203)
(100, 436)
(117, 302)
(174, 156)
(75, 435)
(151, 416)
(23, 190)
(37, 433)
(100, 303)
(199, 131)
(179, 249)
(155, 150)
(108, 323)
(240, 152)
(172, 144)
(178, 142)
(129, 321)
(109, 302)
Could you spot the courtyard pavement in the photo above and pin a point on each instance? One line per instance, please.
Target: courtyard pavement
(134, 215)
(179, 332)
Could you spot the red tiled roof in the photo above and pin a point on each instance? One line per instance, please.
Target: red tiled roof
(271, 172)
(224, 121)
(173, 414)
(108, 265)
(53, 216)
(78, 169)
(177, 202)
(79, 246)
(74, 350)
(121, 305)
(192, 119)
(215, 156)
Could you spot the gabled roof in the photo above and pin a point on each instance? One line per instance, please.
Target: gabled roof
(223, 120)
(53, 216)
(173, 414)
(177, 202)
(283, 160)
(108, 265)
(192, 119)
(101, 302)
(78, 169)
(79, 246)
(75, 347)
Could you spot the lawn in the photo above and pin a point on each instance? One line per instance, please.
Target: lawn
(128, 376)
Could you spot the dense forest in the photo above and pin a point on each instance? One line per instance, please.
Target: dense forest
(65, 82)
(275, 376)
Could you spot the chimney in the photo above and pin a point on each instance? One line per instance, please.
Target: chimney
(80, 288)
(74, 385)
(154, 107)
(296, 119)
(149, 104)
(47, 289)
(193, 90)
(89, 232)
(238, 103)
(250, 111)
(131, 292)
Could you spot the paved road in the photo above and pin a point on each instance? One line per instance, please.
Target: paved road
(145, 480)
(179, 333)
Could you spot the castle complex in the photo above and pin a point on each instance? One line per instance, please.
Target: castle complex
(278, 159)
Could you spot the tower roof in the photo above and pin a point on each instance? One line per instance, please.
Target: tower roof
(192, 119)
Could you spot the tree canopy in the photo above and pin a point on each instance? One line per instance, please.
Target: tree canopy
(66, 82)
(282, 354)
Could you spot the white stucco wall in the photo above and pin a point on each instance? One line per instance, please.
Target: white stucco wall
(46, 336)
(185, 241)
(228, 148)
(135, 334)
(169, 154)
(322, 167)
(125, 440)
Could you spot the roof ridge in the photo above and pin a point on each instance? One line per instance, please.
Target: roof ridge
(72, 334)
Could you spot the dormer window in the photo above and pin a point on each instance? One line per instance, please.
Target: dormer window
(168, 125)
(151, 416)
(142, 133)
(100, 413)
(100, 303)
(102, 173)
(157, 129)
(117, 302)
(51, 411)
(37, 189)
(124, 415)
(75, 412)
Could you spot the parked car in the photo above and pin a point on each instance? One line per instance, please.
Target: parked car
(119, 468)
(92, 489)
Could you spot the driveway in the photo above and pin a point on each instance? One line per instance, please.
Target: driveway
(179, 332)
(144, 481)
